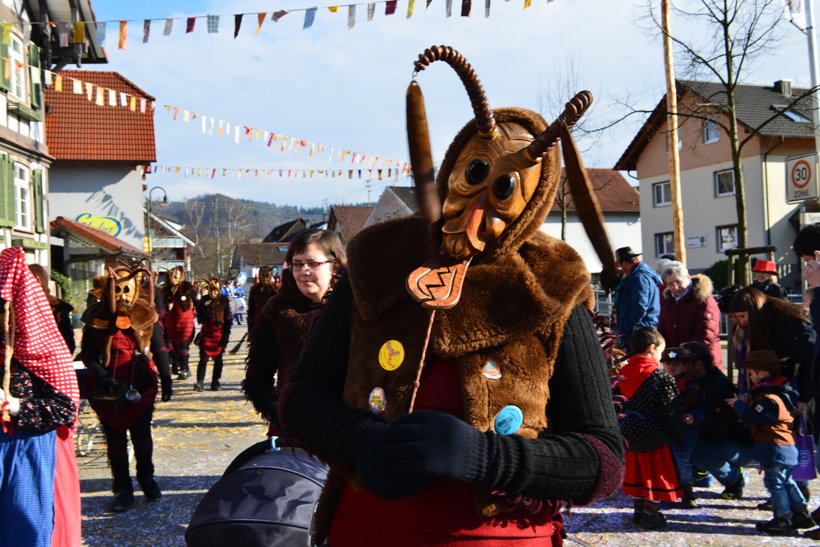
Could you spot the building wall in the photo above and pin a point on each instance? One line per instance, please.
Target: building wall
(104, 196)
(624, 230)
(388, 206)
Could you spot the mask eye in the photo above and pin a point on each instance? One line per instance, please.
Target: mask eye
(504, 186)
(126, 289)
(476, 171)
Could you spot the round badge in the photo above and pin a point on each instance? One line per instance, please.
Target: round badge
(491, 370)
(508, 420)
(184, 298)
(377, 401)
(391, 355)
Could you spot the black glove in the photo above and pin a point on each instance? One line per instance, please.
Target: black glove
(377, 472)
(432, 444)
(167, 388)
(110, 384)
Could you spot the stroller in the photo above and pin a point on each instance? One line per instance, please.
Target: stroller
(266, 497)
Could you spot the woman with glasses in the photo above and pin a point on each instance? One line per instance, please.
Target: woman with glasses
(315, 260)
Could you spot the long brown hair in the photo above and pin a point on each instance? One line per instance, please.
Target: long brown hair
(763, 311)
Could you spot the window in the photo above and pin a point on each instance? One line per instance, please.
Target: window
(789, 113)
(22, 196)
(711, 131)
(726, 237)
(18, 64)
(724, 183)
(661, 194)
(664, 244)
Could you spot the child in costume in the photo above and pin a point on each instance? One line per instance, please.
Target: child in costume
(653, 420)
(767, 409)
(40, 489)
(674, 363)
(455, 379)
(213, 312)
(123, 349)
(179, 298)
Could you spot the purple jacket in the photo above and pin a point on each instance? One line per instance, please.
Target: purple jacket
(693, 318)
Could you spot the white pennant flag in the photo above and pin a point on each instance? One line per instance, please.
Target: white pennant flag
(795, 12)
(351, 16)
(112, 97)
(371, 9)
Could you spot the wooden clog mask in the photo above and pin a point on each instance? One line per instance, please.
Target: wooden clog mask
(175, 276)
(214, 288)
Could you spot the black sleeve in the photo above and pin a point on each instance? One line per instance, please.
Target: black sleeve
(67, 331)
(581, 456)
(797, 337)
(91, 355)
(227, 321)
(159, 352)
(263, 361)
(311, 407)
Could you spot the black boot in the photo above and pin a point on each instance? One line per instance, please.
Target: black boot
(150, 488)
(801, 518)
(651, 518)
(804, 489)
(123, 501)
(689, 498)
(637, 504)
(778, 526)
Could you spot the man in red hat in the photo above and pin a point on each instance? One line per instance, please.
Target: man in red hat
(764, 271)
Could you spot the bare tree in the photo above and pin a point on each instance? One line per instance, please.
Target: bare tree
(727, 36)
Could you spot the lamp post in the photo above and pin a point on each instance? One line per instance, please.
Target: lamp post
(148, 223)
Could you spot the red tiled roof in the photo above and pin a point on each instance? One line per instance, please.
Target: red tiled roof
(349, 219)
(614, 193)
(79, 130)
(96, 236)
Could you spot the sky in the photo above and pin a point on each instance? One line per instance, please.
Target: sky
(346, 88)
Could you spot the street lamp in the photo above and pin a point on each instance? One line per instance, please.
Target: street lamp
(148, 224)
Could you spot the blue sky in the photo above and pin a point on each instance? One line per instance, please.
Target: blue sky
(346, 88)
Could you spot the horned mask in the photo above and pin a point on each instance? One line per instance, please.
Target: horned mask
(496, 184)
(124, 287)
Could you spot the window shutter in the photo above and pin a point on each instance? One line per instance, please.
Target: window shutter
(5, 67)
(35, 77)
(7, 213)
(39, 220)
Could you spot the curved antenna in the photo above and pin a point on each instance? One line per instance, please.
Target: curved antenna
(421, 156)
(484, 118)
(573, 111)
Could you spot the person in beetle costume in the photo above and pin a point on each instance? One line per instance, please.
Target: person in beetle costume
(123, 349)
(454, 379)
(262, 290)
(179, 299)
(214, 314)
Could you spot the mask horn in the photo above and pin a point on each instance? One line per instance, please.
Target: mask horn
(484, 119)
(421, 157)
(587, 206)
(110, 293)
(573, 111)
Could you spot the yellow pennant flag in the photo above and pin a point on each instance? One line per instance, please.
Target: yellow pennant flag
(133, 105)
(58, 83)
(527, 3)
(333, 9)
(123, 34)
(79, 32)
(410, 6)
(6, 33)
(260, 17)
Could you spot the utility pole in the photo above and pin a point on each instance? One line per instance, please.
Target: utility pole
(672, 136)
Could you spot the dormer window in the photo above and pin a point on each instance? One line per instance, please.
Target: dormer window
(793, 115)
(711, 131)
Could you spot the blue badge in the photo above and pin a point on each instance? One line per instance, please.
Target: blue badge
(491, 370)
(508, 420)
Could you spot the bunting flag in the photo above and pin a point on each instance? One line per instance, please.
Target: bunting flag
(58, 82)
(390, 7)
(260, 19)
(333, 9)
(448, 7)
(79, 33)
(123, 34)
(189, 25)
(410, 6)
(62, 34)
(6, 33)
(101, 28)
(146, 30)
(310, 14)
(351, 16)
(487, 8)
(237, 23)
(371, 10)
(169, 25)
(279, 14)
(527, 3)
(213, 24)
(393, 173)
(466, 7)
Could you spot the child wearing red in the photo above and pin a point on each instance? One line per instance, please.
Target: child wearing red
(652, 421)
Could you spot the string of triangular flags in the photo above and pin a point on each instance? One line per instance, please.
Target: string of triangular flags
(210, 125)
(213, 172)
(76, 32)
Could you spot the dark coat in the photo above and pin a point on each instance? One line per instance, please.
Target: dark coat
(771, 289)
(715, 419)
(693, 318)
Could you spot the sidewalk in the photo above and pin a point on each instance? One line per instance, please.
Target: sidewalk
(196, 435)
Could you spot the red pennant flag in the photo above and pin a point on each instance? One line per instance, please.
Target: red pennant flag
(270, 140)
(190, 25)
(390, 7)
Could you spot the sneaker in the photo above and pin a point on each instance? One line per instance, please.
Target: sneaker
(123, 501)
(778, 526)
(150, 488)
(702, 479)
(801, 519)
(198, 387)
(735, 491)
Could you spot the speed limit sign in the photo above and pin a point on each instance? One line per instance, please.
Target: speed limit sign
(801, 178)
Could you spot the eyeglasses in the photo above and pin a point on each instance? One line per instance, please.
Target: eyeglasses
(310, 265)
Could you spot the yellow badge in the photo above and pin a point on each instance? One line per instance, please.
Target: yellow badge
(391, 355)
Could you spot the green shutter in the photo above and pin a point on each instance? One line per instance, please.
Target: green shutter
(8, 218)
(5, 61)
(35, 77)
(39, 220)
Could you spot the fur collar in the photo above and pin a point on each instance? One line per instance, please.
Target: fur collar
(501, 299)
(701, 289)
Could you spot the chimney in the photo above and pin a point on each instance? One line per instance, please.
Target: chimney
(784, 87)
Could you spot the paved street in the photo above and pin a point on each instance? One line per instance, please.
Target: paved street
(196, 435)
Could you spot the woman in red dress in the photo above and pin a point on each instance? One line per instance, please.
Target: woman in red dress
(214, 314)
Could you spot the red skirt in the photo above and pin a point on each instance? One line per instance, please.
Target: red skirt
(212, 334)
(652, 475)
(179, 324)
